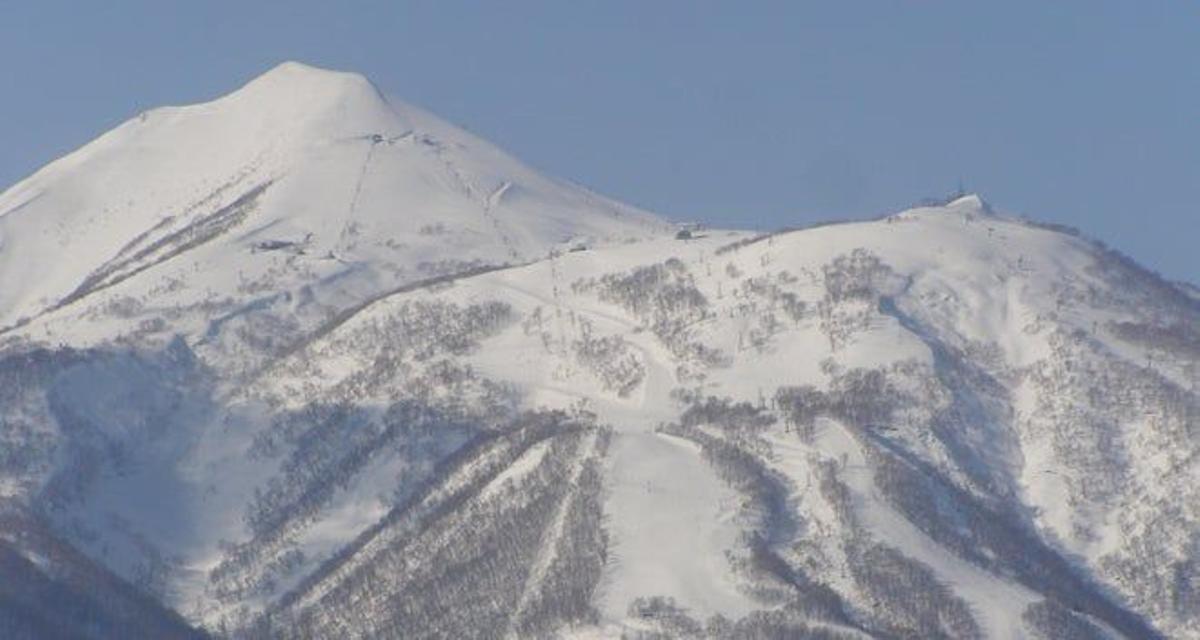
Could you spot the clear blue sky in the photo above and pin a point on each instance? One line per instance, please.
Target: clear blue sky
(750, 114)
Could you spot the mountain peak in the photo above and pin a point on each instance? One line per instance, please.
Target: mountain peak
(384, 185)
(296, 93)
(292, 76)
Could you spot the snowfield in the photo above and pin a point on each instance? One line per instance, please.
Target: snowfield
(300, 362)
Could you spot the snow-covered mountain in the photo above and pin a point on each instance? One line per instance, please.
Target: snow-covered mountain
(300, 362)
(300, 177)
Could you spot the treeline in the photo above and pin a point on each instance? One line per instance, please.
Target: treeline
(730, 437)
(616, 363)
(905, 597)
(665, 299)
(984, 533)
(455, 560)
(854, 285)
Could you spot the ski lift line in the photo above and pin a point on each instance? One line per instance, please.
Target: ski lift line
(362, 174)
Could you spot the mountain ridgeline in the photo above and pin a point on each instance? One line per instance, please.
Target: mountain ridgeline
(302, 362)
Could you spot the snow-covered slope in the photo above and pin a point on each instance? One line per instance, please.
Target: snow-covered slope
(392, 383)
(51, 591)
(299, 176)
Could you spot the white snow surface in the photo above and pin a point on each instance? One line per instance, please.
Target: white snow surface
(352, 179)
(306, 195)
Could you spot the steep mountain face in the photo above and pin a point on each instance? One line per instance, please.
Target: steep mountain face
(303, 177)
(302, 363)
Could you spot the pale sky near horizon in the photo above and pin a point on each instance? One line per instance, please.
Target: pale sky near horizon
(746, 114)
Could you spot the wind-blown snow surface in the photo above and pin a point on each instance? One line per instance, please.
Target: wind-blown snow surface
(321, 366)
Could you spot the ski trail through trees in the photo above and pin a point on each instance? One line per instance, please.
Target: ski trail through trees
(665, 508)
